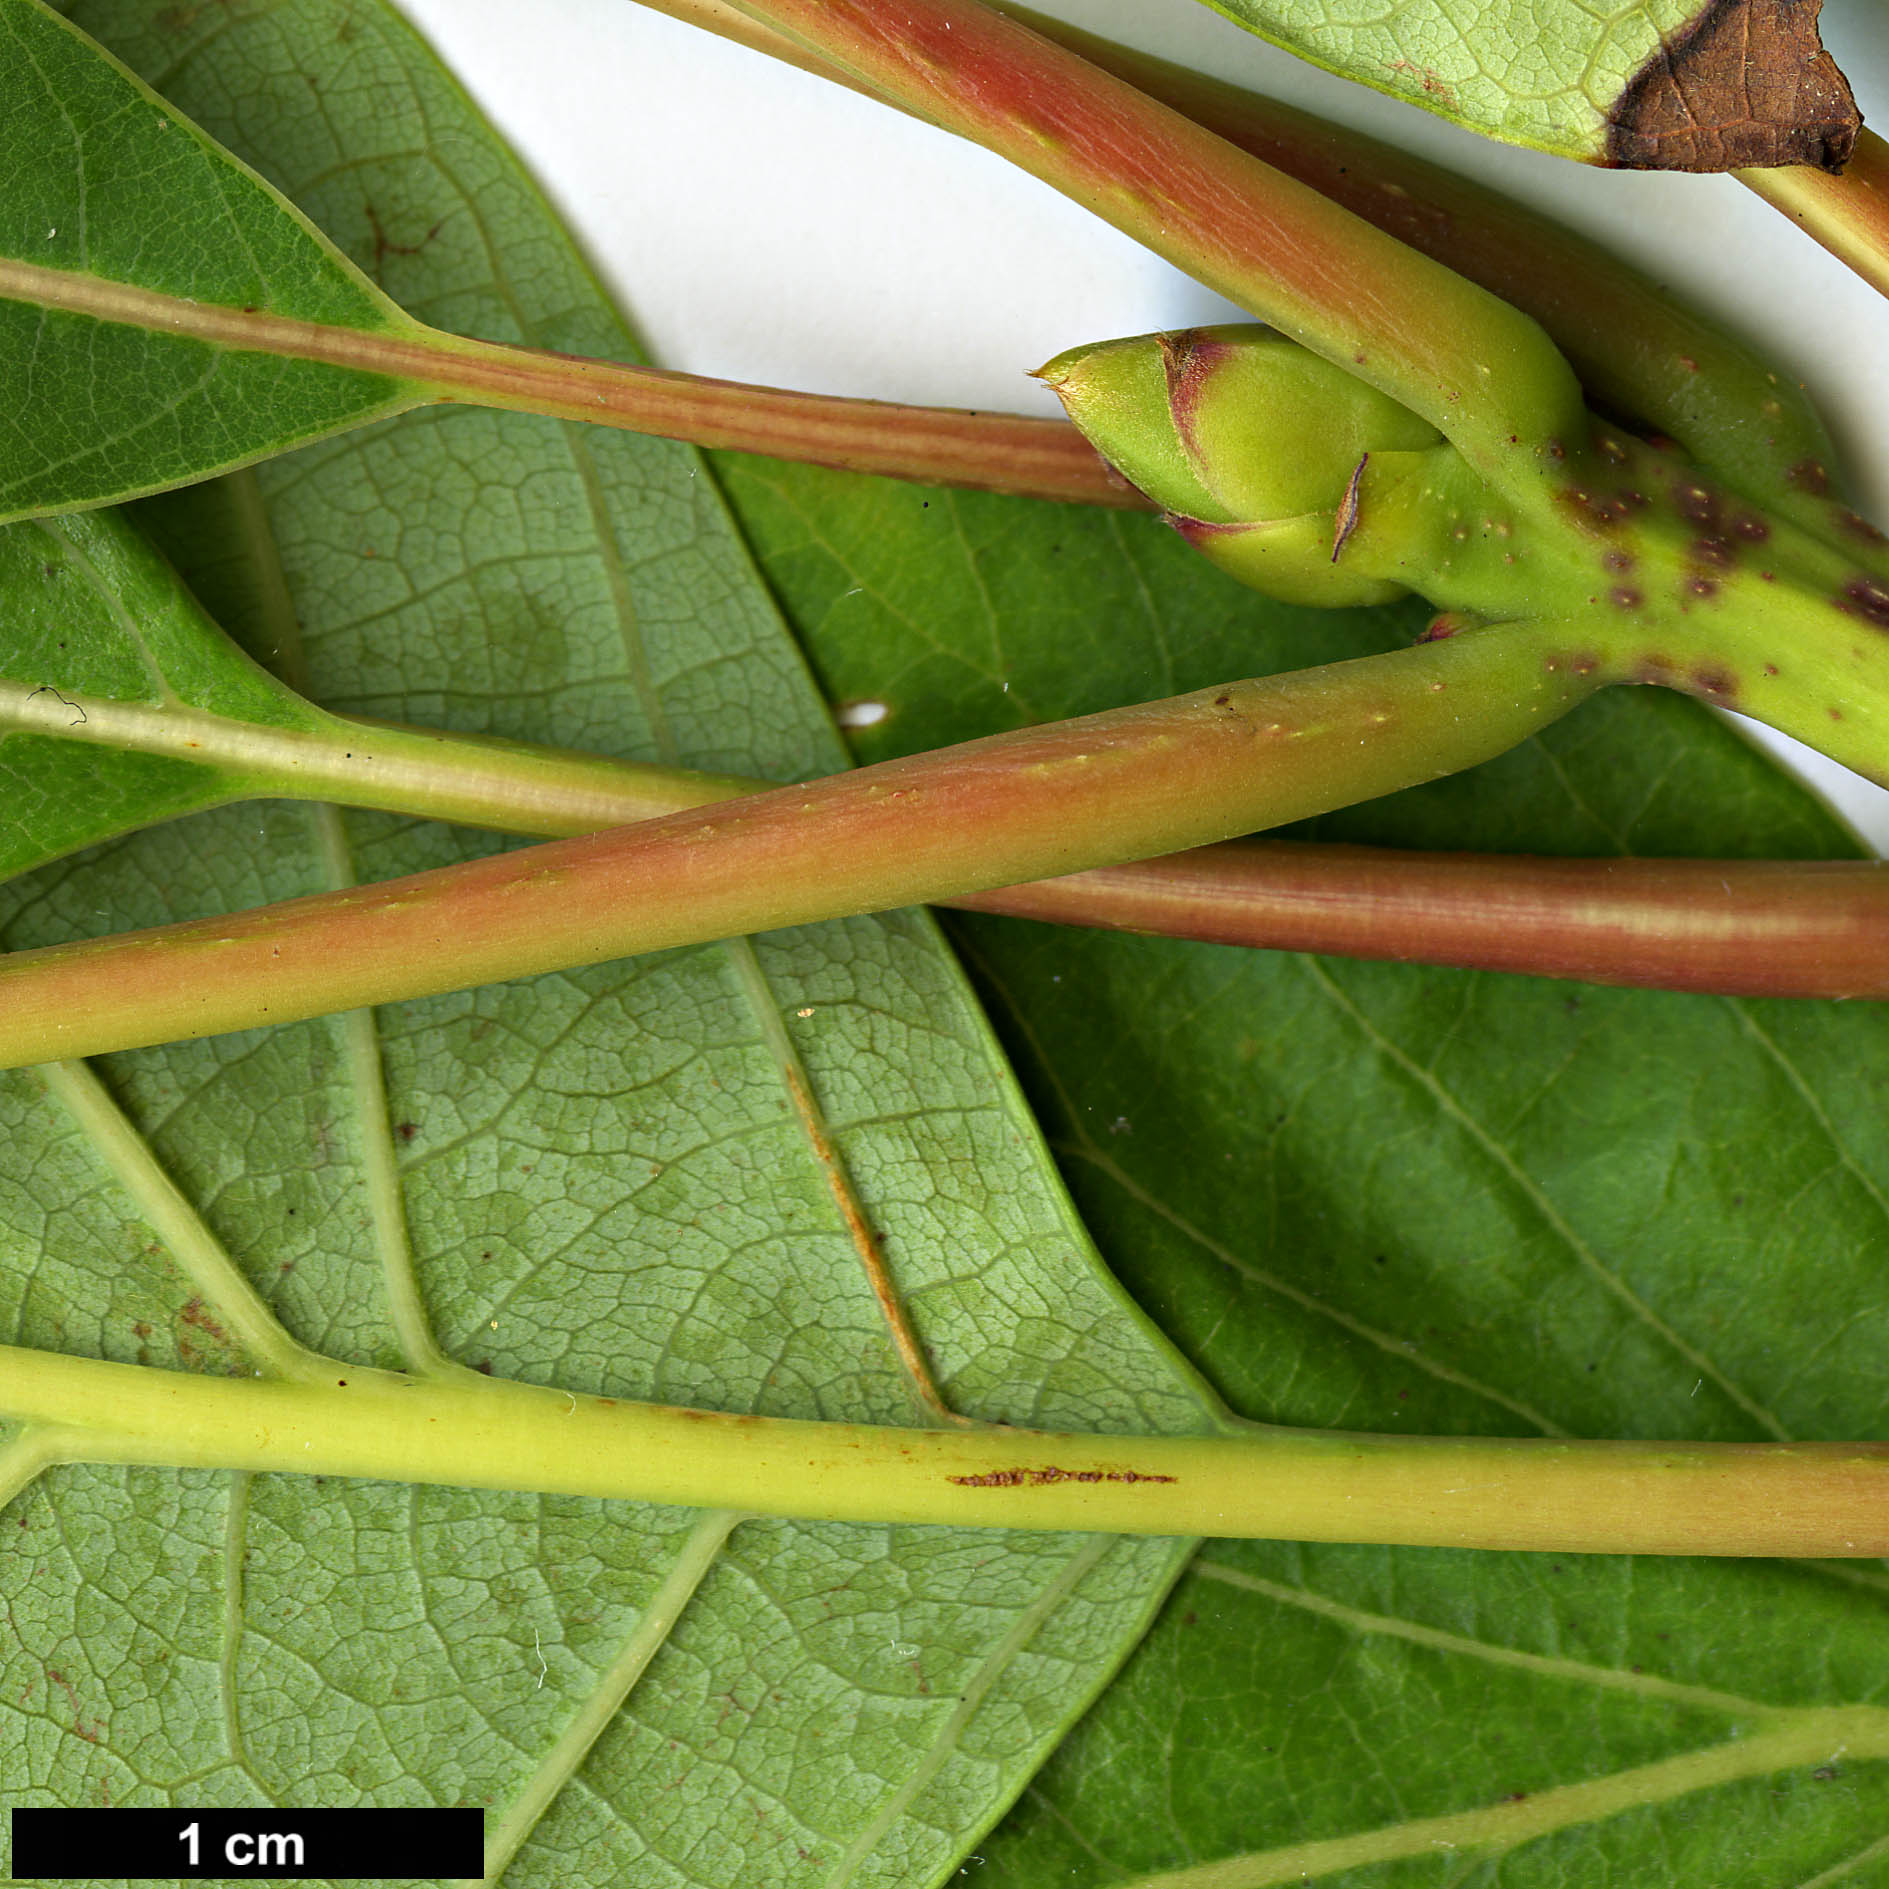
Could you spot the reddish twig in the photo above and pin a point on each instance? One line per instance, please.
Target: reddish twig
(1748, 928)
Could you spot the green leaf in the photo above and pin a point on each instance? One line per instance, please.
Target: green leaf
(102, 397)
(140, 352)
(600, 1180)
(1387, 1198)
(123, 704)
(1671, 85)
(98, 632)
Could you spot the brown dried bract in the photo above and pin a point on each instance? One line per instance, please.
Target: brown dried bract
(1346, 521)
(1744, 84)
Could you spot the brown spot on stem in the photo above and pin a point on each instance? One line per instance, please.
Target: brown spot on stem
(1717, 551)
(1716, 685)
(1618, 560)
(1600, 509)
(1744, 83)
(1752, 530)
(1858, 526)
(1864, 597)
(1625, 598)
(1810, 475)
(1038, 1478)
(1699, 503)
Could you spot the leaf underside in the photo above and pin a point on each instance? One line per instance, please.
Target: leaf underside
(94, 613)
(599, 1180)
(1388, 1198)
(1360, 1195)
(1657, 85)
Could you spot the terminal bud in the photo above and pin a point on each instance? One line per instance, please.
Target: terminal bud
(1250, 443)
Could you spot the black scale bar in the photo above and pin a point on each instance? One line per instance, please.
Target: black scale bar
(236, 1845)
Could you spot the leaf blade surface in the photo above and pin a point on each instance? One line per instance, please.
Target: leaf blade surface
(1666, 85)
(599, 1180)
(111, 190)
(1388, 1198)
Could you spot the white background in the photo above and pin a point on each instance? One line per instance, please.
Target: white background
(762, 225)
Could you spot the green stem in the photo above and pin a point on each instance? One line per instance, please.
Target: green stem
(1731, 607)
(475, 780)
(988, 451)
(1773, 928)
(1847, 214)
(1637, 350)
(1757, 928)
(1662, 577)
(1481, 372)
(1824, 1499)
(1031, 804)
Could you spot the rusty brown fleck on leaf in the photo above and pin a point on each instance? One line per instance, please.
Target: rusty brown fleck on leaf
(1744, 84)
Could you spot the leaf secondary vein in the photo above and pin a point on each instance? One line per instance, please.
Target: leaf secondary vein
(1792, 1739)
(828, 1155)
(235, 1558)
(654, 1624)
(200, 1255)
(1405, 1350)
(1531, 1191)
(1837, 1872)
(1813, 1103)
(1357, 1620)
(990, 1670)
(35, 1447)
